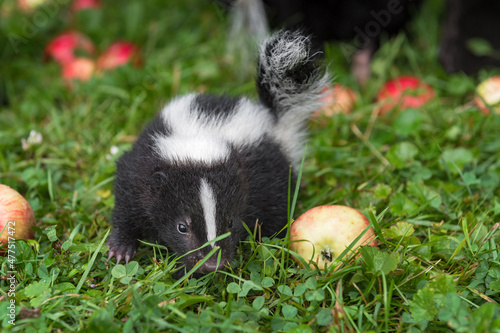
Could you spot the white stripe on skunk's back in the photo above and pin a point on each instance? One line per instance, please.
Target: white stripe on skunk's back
(184, 149)
(197, 136)
(208, 204)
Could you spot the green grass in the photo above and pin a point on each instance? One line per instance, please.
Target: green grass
(427, 179)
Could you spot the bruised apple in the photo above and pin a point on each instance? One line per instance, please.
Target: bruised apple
(78, 69)
(322, 233)
(338, 99)
(488, 95)
(30, 5)
(118, 54)
(404, 92)
(16, 217)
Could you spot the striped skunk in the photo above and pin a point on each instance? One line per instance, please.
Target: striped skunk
(358, 25)
(208, 163)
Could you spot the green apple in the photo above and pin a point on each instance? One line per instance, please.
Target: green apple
(488, 95)
(322, 233)
(16, 217)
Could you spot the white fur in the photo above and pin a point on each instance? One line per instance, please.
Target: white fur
(248, 19)
(247, 29)
(296, 102)
(208, 203)
(184, 149)
(250, 122)
(179, 117)
(200, 138)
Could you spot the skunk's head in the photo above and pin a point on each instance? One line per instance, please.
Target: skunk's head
(192, 203)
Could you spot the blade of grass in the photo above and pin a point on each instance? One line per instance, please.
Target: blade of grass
(297, 187)
(291, 211)
(91, 263)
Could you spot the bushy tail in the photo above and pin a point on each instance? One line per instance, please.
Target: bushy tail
(289, 78)
(291, 83)
(248, 28)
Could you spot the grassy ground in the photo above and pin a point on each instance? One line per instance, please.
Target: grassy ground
(428, 180)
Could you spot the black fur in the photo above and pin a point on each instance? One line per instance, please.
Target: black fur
(215, 106)
(158, 198)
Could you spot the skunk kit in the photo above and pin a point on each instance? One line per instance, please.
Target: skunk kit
(207, 164)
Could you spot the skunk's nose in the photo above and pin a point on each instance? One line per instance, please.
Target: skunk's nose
(210, 266)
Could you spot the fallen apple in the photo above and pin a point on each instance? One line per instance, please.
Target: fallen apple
(29, 5)
(322, 233)
(119, 54)
(78, 69)
(79, 5)
(488, 95)
(404, 92)
(16, 217)
(338, 99)
(64, 47)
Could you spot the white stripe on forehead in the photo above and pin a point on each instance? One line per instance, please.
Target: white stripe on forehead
(208, 203)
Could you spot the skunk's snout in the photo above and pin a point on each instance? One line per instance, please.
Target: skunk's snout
(210, 266)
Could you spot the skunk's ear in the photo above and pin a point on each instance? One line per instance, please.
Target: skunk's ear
(159, 180)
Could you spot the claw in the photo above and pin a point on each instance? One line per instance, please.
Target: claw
(129, 256)
(111, 251)
(120, 253)
(111, 254)
(119, 258)
(121, 250)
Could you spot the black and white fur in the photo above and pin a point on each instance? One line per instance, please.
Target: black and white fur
(206, 163)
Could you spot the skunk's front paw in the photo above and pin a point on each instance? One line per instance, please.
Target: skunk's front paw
(121, 248)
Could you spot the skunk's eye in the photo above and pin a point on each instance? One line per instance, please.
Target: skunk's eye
(230, 224)
(183, 224)
(182, 228)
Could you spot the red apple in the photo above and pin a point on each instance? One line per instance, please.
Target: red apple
(85, 4)
(119, 54)
(78, 69)
(29, 5)
(322, 233)
(62, 48)
(338, 99)
(16, 217)
(488, 95)
(404, 92)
